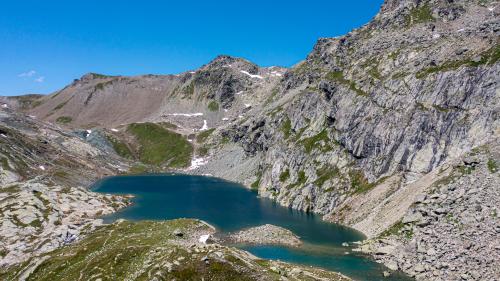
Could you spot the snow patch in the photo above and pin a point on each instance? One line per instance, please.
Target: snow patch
(3, 135)
(203, 239)
(247, 105)
(5, 105)
(197, 162)
(32, 116)
(251, 75)
(192, 72)
(41, 167)
(276, 73)
(240, 116)
(239, 93)
(186, 114)
(225, 119)
(205, 126)
(114, 130)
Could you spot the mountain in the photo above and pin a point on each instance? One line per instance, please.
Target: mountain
(360, 131)
(97, 100)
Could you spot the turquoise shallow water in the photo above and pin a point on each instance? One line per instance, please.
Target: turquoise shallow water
(230, 207)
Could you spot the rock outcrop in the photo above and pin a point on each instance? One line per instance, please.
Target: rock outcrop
(151, 250)
(451, 231)
(266, 234)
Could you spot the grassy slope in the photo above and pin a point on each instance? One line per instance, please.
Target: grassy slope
(160, 146)
(139, 251)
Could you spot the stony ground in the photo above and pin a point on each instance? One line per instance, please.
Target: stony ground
(44, 199)
(169, 250)
(37, 218)
(266, 234)
(452, 231)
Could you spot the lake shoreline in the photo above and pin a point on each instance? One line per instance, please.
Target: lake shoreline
(223, 192)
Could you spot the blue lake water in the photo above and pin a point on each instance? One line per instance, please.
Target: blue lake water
(230, 207)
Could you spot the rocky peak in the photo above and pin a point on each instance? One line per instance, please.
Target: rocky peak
(91, 76)
(404, 13)
(231, 62)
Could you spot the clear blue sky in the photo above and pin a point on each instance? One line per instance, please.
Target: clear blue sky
(44, 45)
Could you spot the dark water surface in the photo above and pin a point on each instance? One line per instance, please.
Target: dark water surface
(230, 207)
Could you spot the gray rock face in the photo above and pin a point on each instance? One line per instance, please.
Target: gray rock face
(461, 243)
(399, 95)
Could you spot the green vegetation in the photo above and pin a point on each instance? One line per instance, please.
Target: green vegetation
(275, 111)
(28, 101)
(225, 140)
(160, 146)
(10, 189)
(466, 170)
(271, 97)
(312, 142)
(301, 179)
(36, 104)
(359, 183)
(372, 65)
(394, 55)
(100, 76)
(202, 137)
(255, 184)
(492, 165)
(213, 106)
(418, 15)
(188, 91)
(138, 169)
(373, 71)
(326, 173)
(202, 151)
(147, 250)
(440, 108)
(123, 251)
(284, 175)
(286, 127)
(59, 106)
(100, 86)
(120, 147)
(398, 229)
(64, 119)
(5, 164)
(489, 57)
(338, 76)
(169, 125)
